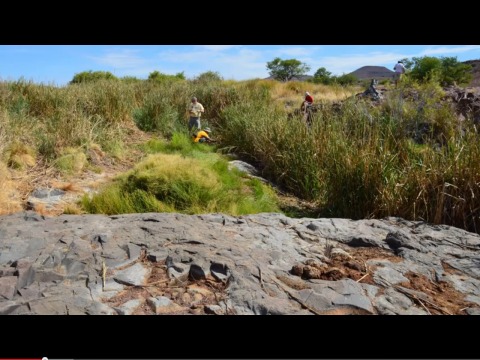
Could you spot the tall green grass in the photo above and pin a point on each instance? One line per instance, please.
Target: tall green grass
(189, 178)
(357, 161)
(361, 161)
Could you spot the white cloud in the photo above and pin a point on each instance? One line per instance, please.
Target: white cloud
(448, 50)
(122, 59)
(246, 63)
(346, 64)
(242, 62)
(296, 50)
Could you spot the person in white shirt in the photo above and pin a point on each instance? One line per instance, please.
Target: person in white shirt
(195, 110)
(399, 70)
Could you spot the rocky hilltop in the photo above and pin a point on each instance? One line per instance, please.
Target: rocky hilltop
(475, 71)
(373, 72)
(215, 264)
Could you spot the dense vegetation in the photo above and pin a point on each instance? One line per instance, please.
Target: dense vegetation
(184, 177)
(445, 70)
(358, 161)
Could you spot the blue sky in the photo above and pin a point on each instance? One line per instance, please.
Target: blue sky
(57, 64)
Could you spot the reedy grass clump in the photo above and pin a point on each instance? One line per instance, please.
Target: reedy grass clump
(180, 182)
(356, 162)
(361, 161)
(72, 161)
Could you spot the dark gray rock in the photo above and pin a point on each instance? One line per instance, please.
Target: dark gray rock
(220, 272)
(8, 287)
(248, 169)
(357, 241)
(100, 238)
(312, 226)
(100, 309)
(59, 262)
(397, 240)
(163, 305)
(343, 293)
(317, 301)
(33, 217)
(22, 310)
(25, 272)
(134, 251)
(157, 255)
(388, 274)
(199, 269)
(473, 311)
(41, 193)
(8, 307)
(48, 276)
(135, 275)
(214, 310)
(177, 271)
(52, 305)
(129, 307)
(30, 293)
(72, 266)
(52, 260)
(7, 271)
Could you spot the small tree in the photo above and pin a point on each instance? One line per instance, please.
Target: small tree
(130, 79)
(407, 63)
(426, 68)
(158, 76)
(90, 76)
(446, 70)
(180, 75)
(455, 72)
(209, 76)
(285, 70)
(346, 79)
(322, 76)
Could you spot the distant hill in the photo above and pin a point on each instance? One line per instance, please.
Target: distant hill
(476, 71)
(373, 72)
(381, 72)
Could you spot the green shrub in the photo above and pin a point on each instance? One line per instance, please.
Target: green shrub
(92, 76)
(182, 184)
(71, 161)
(445, 70)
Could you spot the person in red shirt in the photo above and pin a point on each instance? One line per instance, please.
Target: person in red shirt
(308, 98)
(307, 102)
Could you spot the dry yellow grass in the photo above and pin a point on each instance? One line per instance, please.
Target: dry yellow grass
(72, 160)
(9, 198)
(20, 155)
(97, 149)
(72, 209)
(66, 186)
(41, 209)
(292, 93)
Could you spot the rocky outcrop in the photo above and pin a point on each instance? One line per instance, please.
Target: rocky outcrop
(217, 264)
(373, 72)
(475, 64)
(467, 102)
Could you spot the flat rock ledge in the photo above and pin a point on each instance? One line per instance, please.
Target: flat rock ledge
(160, 263)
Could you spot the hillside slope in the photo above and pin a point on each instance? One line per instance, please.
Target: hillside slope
(372, 72)
(476, 71)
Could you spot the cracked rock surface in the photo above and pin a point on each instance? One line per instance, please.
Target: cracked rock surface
(217, 264)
